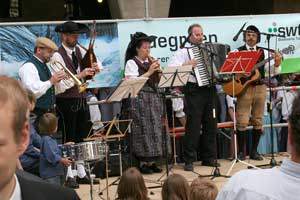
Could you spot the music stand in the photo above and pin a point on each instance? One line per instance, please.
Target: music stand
(127, 88)
(172, 77)
(239, 62)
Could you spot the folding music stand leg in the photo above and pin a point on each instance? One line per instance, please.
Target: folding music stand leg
(236, 159)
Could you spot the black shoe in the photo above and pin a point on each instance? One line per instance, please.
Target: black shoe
(255, 156)
(155, 169)
(210, 163)
(146, 170)
(86, 180)
(241, 156)
(71, 183)
(188, 167)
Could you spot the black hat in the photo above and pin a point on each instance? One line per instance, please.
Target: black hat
(139, 36)
(71, 27)
(135, 39)
(253, 29)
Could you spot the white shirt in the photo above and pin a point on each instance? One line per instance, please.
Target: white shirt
(64, 85)
(29, 76)
(57, 57)
(180, 57)
(230, 101)
(132, 69)
(287, 102)
(95, 114)
(264, 184)
(274, 70)
(16, 195)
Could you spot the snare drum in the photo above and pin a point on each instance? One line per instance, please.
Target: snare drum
(89, 151)
(68, 151)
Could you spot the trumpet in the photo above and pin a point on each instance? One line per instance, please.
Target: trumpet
(58, 66)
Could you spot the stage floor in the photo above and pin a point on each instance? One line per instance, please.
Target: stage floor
(151, 180)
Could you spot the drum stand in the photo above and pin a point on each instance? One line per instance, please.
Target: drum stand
(92, 177)
(111, 137)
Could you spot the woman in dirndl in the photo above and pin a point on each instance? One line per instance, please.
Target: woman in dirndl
(145, 110)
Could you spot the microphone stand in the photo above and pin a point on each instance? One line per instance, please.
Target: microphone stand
(216, 171)
(273, 162)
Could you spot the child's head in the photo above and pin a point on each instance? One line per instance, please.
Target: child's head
(203, 189)
(48, 124)
(31, 99)
(132, 185)
(175, 187)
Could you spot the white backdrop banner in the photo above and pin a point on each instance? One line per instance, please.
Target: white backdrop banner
(172, 32)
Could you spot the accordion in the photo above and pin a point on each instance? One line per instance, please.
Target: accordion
(202, 70)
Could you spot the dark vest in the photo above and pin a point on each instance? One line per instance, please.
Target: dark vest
(262, 57)
(46, 101)
(143, 68)
(72, 92)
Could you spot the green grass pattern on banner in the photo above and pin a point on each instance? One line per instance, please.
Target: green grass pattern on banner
(290, 65)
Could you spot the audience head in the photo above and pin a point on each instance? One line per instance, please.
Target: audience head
(294, 128)
(31, 99)
(132, 186)
(203, 189)
(48, 123)
(175, 187)
(14, 131)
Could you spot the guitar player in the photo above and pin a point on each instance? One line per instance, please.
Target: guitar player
(251, 103)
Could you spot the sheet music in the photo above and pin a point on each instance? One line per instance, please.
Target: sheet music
(127, 87)
(182, 75)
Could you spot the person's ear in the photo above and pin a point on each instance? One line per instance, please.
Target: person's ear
(24, 138)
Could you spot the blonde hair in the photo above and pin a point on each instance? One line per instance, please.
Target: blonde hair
(13, 93)
(48, 124)
(31, 96)
(203, 189)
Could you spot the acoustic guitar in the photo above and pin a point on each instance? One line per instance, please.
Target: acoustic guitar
(242, 81)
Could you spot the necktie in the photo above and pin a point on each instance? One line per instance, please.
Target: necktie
(251, 49)
(74, 59)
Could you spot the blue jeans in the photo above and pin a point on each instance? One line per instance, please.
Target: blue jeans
(56, 180)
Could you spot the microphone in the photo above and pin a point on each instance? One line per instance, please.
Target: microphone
(186, 40)
(238, 33)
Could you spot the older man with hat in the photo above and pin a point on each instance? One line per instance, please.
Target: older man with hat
(36, 76)
(252, 100)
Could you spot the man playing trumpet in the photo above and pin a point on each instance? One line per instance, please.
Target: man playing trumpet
(36, 76)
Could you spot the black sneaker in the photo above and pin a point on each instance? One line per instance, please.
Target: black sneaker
(86, 180)
(155, 169)
(146, 170)
(188, 167)
(71, 183)
(210, 163)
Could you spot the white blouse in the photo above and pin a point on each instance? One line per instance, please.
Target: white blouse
(132, 69)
